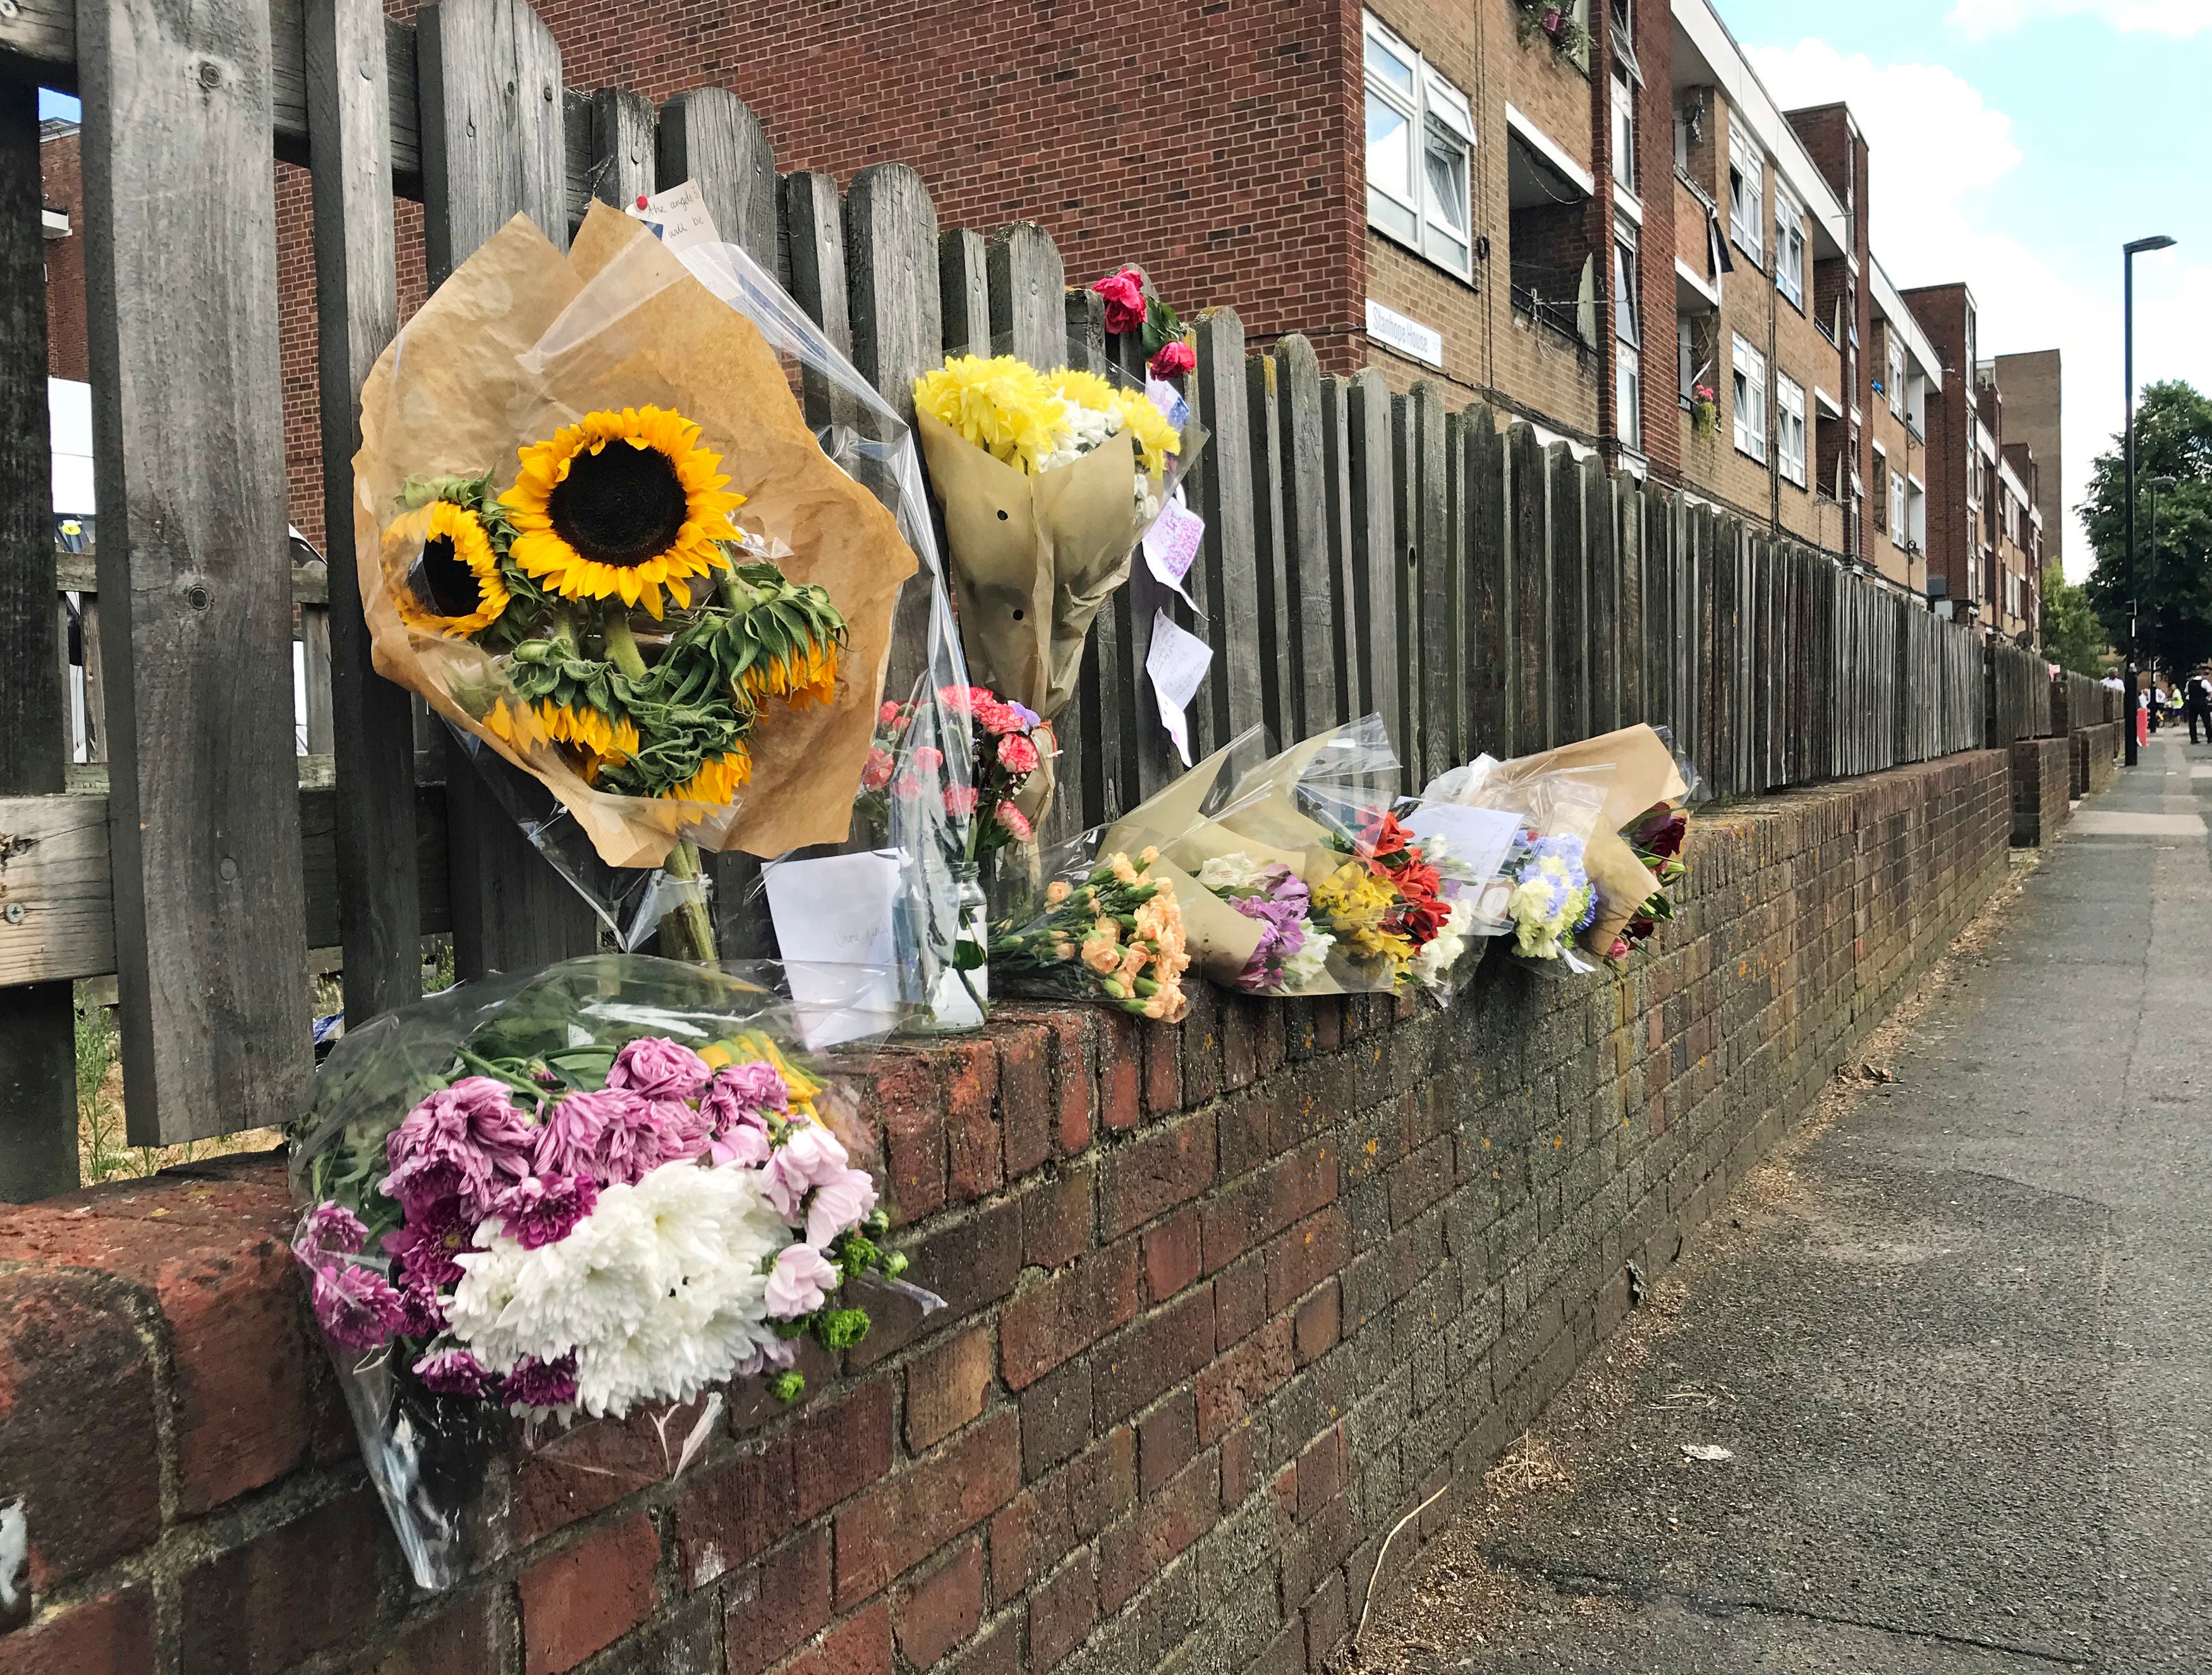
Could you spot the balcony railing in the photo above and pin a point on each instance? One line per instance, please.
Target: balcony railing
(1564, 318)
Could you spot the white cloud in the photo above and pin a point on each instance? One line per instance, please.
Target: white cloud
(1939, 222)
(1980, 19)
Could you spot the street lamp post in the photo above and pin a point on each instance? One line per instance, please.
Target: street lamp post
(2128, 250)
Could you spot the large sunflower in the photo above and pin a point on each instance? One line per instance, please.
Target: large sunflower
(453, 587)
(621, 506)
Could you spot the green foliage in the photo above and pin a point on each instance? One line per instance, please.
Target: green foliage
(2173, 582)
(2073, 637)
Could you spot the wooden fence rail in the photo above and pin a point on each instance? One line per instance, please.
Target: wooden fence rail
(1480, 586)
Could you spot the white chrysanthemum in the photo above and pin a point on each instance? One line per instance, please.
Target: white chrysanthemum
(1237, 870)
(1310, 961)
(660, 1290)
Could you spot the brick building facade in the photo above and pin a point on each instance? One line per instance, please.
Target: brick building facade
(1577, 231)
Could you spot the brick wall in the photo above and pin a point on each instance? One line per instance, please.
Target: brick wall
(2096, 750)
(1224, 1302)
(2042, 786)
(62, 176)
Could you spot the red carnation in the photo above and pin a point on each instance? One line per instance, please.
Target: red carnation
(1125, 300)
(1172, 360)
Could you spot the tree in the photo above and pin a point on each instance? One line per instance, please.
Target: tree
(2073, 638)
(2174, 586)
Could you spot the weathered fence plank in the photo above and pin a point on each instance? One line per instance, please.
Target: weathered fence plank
(1278, 674)
(37, 1060)
(1601, 556)
(180, 252)
(710, 136)
(621, 161)
(1533, 465)
(1372, 608)
(1487, 558)
(357, 312)
(1309, 544)
(1428, 678)
(494, 146)
(1570, 624)
(1234, 694)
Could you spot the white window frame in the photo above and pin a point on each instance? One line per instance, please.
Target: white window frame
(1624, 128)
(1748, 390)
(1746, 196)
(1896, 391)
(1790, 427)
(1437, 117)
(1901, 515)
(1788, 248)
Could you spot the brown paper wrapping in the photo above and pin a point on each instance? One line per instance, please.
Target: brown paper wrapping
(1034, 558)
(449, 396)
(1637, 771)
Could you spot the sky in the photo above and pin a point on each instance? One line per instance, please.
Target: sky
(2017, 145)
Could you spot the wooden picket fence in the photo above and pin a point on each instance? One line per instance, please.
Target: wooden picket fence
(1482, 587)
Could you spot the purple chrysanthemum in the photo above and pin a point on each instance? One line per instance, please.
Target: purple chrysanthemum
(467, 1140)
(535, 1383)
(356, 1305)
(329, 1230)
(453, 1373)
(659, 1069)
(543, 1210)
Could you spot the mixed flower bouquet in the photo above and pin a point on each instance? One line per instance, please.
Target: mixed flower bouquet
(1048, 480)
(1292, 956)
(615, 555)
(1386, 905)
(1113, 933)
(1008, 746)
(1657, 837)
(600, 1190)
(1551, 901)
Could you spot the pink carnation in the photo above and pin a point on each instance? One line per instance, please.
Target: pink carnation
(906, 785)
(801, 1280)
(1015, 821)
(889, 713)
(658, 1068)
(810, 1156)
(839, 1204)
(927, 758)
(960, 801)
(1000, 718)
(876, 772)
(1017, 754)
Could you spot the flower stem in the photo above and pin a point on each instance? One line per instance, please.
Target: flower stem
(689, 930)
(485, 1068)
(622, 645)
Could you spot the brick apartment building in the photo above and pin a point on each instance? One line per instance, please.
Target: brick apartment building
(1578, 231)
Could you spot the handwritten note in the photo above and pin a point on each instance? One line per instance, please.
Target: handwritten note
(833, 918)
(678, 216)
(1171, 547)
(1177, 663)
(1476, 839)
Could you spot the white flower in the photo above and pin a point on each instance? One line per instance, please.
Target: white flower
(1441, 954)
(1237, 870)
(661, 1291)
(1310, 961)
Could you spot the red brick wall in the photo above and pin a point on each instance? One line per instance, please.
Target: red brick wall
(1225, 1302)
(61, 168)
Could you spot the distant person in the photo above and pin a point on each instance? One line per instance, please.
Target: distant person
(2198, 707)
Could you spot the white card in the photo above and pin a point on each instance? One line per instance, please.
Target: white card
(1177, 663)
(833, 916)
(1171, 546)
(678, 216)
(1169, 399)
(1480, 838)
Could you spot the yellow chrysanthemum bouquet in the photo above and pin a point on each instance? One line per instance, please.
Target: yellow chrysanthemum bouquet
(1048, 480)
(595, 533)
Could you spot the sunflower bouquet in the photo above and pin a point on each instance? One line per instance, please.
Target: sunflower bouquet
(603, 1190)
(1048, 480)
(595, 533)
(1113, 933)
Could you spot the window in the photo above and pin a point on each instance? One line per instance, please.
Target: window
(1420, 138)
(1789, 426)
(1623, 131)
(1881, 479)
(1896, 373)
(1628, 335)
(1899, 521)
(1747, 196)
(1788, 249)
(1750, 394)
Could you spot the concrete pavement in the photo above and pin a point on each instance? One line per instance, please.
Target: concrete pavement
(1959, 1353)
